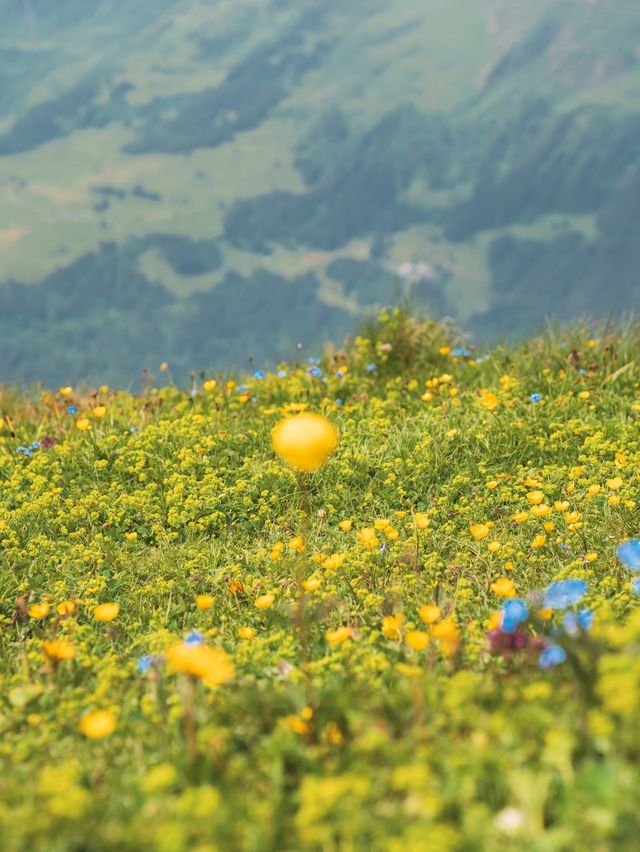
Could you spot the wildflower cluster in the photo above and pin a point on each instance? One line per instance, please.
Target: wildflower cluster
(385, 595)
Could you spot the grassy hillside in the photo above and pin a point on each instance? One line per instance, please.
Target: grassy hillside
(493, 143)
(378, 654)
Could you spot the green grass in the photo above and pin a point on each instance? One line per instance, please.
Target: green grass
(395, 738)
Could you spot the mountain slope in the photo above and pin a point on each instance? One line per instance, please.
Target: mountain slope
(486, 150)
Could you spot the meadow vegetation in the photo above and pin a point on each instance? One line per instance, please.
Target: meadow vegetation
(424, 636)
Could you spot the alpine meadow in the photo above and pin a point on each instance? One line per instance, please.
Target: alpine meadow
(319, 426)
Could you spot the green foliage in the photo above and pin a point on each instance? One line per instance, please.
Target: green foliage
(385, 736)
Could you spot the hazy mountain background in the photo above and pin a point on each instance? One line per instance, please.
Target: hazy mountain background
(198, 181)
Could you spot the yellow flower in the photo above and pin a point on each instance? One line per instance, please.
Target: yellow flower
(493, 546)
(535, 497)
(39, 610)
(615, 483)
(338, 636)
(391, 533)
(541, 510)
(489, 401)
(99, 411)
(492, 484)
(429, 613)
(66, 608)
(106, 611)
(504, 588)
(421, 520)
(304, 441)
(297, 544)
(495, 620)
(539, 541)
(59, 649)
(417, 639)
(246, 632)
(212, 665)
(204, 601)
(164, 367)
(571, 517)
(210, 385)
(391, 625)
(446, 631)
(584, 394)
(311, 584)
(333, 562)
(368, 538)
(444, 350)
(265, 601)
(520, 517)
(131, 536)
(236, 587)
(479, 531)
(83, 424)
(346, 526)
(613, 500)
(276, 551)
(98, 724)
(65, 391)
(104, 388)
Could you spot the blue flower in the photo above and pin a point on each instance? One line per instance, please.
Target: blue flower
(574, 622)
(629, 554)
(259, 374)
(460, 353)
(338, 402)
(242, 388)
(635, 587)
(316, 372)
(339, 374)
(24, 451)
(553, 655)
(144, 664)
(371, 368)
(482, 358)
(72, 410)
(282, 374)
(514, 611)
(35, 445)
(535, 397)
(194, 638)
(564, 593)
(586, 619)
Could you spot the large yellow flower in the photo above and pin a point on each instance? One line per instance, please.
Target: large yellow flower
(212, 665)
(304, 441)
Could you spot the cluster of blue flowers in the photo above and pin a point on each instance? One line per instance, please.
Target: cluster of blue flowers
(28, 451)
